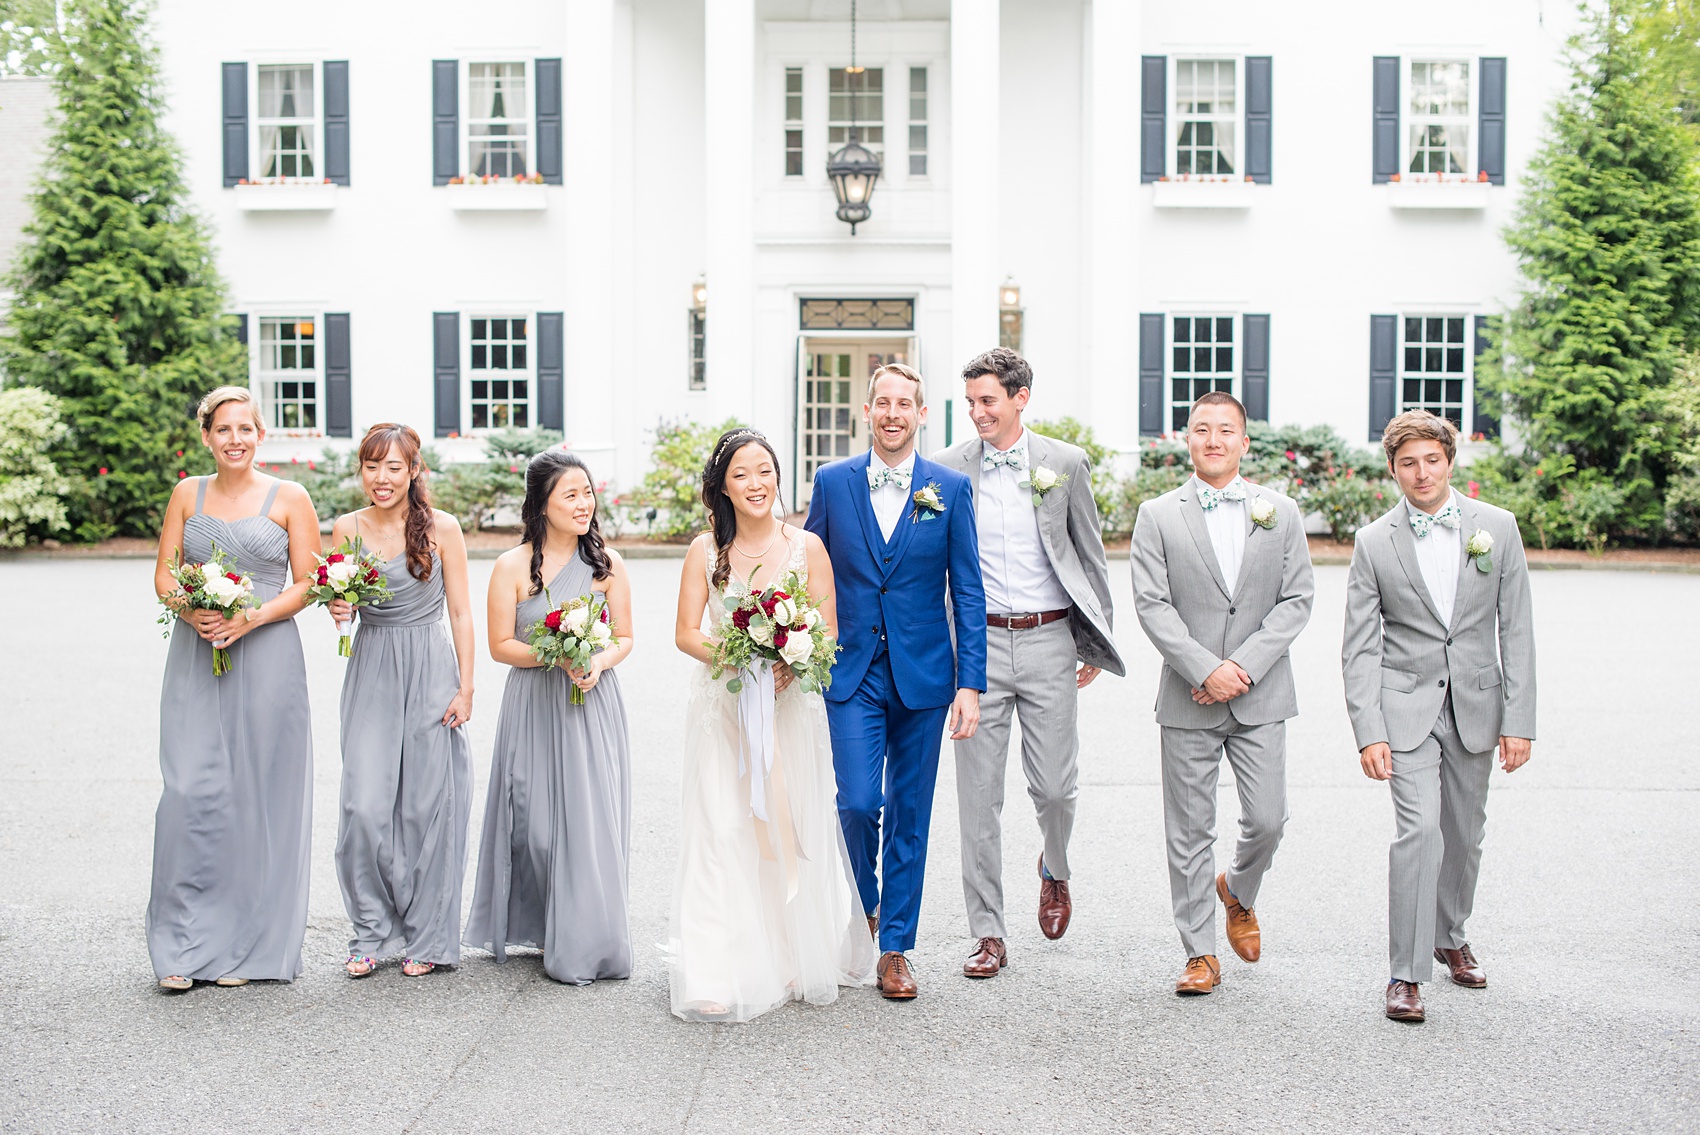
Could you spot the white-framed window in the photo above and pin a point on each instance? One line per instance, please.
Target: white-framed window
(862, 95)
(498, 120)
(793, 122)
(1439, 118)
(289, 371)
(1207, 118)
(288, 121)
(499, 371)
(1201, 359)
(1434, 366)
(917, 122)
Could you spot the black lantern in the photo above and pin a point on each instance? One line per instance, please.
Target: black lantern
(854, 170)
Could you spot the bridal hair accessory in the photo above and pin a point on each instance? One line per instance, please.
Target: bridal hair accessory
(740, 436)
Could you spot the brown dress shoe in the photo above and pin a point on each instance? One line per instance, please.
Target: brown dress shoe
(1243, 933)
(1202, 975)
(1055, 907)
(896, 982)
(1463, 967)
(989, 957)
(1404, 1003)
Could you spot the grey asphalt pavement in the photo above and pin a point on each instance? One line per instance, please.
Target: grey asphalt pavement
(1588, 923)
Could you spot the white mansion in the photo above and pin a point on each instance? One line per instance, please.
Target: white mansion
(594, 214)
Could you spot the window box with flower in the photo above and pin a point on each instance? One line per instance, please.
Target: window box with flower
(520, 193)
(1439, 191)
(1203, 191)
(285, 195)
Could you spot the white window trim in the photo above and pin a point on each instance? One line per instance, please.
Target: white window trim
(883, 147)
(1470, 118)
(1418, 311)
(256, 156)
(263, 379)
(800, 123)
(515, 311)
(524, 59)
(1171, 166)
(1235, 376)
(930, 122)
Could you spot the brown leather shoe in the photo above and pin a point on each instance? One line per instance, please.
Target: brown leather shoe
(1404, 1002)
(989, 957)
(1055, 907)
(1463, 967)
(896, 982)
(1243, 933)
(1202, 975)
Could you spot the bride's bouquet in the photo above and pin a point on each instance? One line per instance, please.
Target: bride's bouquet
(778, 626)
(209, 586)
(352, 574)
(570, 633)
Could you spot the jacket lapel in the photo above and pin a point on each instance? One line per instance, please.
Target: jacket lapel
(1253, 545)
(1467, 572)
(862, 498)
(1405, 545)
(1038, 452)
(1194, 514)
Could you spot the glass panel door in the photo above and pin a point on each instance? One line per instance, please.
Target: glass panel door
(831, 408)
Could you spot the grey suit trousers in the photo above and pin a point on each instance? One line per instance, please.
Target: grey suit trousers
(1029, 674)
(1192, 764)
(1439, 812)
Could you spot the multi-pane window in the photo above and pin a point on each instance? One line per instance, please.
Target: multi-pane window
(699, 349)
(1431, 375)
(501, 374)
(793, 122)
(498, 121)
(1201, 360)
(917, 122)
(289, 375)
(1206, 116)
(1438, 131)
(288, 121)
(857, 97)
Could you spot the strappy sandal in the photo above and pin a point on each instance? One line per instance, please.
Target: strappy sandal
(176, 984)
(412, 968)
(358, 965)
(231, 982)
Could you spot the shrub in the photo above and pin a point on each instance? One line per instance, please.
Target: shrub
(331, 479)
(475, 491)
(1105, 483)
(32, 490)
(669, 496)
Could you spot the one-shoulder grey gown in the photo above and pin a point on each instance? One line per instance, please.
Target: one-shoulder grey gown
(552, 860)
(232, 833)
(406, 777)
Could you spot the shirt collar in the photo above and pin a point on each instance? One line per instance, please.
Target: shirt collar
(907, 465)
(987, 448)
(1411, 509)
(1198, 483)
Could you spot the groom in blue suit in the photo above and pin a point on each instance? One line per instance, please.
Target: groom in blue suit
(899, 530)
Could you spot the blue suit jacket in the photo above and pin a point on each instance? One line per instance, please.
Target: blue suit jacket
(897, 589)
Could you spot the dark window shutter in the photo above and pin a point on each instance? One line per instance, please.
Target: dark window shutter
(1256, 367)
(551, 384)
(549, 120)
(336, 121)
(445, 121)
(1386, 118)
(241, 328)
(1258, 92)
(1492, 120)
(235, 123)
(1483, 420)
(1153, 117)
(445, 349)
(339, 399)
(1150, 373)
(1383, 372)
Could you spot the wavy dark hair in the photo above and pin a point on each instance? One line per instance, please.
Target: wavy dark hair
(421, 520)
(722, 513)
(541, 476)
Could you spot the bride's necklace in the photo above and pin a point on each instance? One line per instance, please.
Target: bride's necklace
(777, 532)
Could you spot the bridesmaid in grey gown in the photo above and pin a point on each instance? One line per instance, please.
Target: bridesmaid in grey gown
(231, 837)
(552, 863)
(406, 698)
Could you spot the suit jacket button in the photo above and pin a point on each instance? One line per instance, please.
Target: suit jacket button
(1231, 610)
(1443, 683)
(882, 591)
(1448, 642)
(888, 559)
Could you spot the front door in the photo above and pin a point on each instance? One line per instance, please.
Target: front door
(834, 384)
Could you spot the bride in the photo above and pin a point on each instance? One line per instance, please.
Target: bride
(764, 912)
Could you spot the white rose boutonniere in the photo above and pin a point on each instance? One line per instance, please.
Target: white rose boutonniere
(929, 503)
(1263, 513)
(1480, 550)
(1042, 480)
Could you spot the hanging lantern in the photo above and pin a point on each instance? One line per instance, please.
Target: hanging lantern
(854, 169)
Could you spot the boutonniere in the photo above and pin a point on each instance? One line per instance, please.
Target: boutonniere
(1480, 550)
(1042, 480)
(1263, 513)
(928, 503)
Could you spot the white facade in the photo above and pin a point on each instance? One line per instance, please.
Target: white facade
(675, 125)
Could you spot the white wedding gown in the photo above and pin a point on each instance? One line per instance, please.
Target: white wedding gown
(763, 912)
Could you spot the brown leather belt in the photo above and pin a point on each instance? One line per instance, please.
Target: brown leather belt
(1025, 622)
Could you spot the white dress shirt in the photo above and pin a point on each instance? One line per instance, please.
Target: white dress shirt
(889, 499)
(1018, 575)
(1227, 524)
(1438, 556)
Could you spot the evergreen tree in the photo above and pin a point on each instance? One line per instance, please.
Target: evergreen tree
(117, 307)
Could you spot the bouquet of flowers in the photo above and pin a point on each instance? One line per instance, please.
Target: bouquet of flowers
(352, 574)
(570, 633)
(778, 626)
(210, 586)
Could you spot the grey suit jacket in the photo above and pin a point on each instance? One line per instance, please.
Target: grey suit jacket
(1183, 605)
(1068, 527)
(1400, 659)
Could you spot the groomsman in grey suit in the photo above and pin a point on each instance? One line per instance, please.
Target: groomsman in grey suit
(1222, 584)
(1048, 606)
(1439, 660)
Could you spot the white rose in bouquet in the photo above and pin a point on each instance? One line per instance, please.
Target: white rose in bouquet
(341, 573)
(798, 647)
(225, 590)
(811, 619)
(762, 632)
(785, 612)
(601, 633)
(575, 620)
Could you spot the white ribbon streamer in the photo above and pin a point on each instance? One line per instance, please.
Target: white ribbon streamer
(755, 732)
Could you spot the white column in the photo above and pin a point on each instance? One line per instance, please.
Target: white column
(974, 197)
(587, 91)
(729, 77)
(1112, 230)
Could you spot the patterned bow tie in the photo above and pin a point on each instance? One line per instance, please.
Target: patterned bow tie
(1422, 523)
(1014, 458)
(880, 475)
(1209, 498)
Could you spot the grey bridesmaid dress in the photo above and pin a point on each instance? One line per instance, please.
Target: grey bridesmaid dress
(406, 777)
(232, 833)
(552, 860)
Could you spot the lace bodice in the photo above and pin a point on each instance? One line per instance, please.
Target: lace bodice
(714, 693)
(797, 560)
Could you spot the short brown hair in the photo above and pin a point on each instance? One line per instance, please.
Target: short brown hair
(1009, 368)
(908, 372)
(1419, 425)
(222, 396)
(1217, 398)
